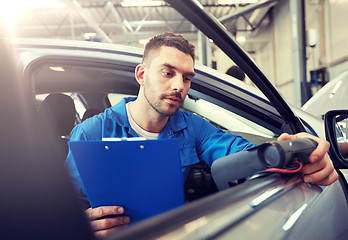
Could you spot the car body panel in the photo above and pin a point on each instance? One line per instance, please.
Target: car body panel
(274, 208)
(249, 214)
(332, 96)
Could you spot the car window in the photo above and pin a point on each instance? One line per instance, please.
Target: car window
(219, 117)
(225, 119)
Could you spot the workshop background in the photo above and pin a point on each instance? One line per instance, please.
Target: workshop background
(299, 45)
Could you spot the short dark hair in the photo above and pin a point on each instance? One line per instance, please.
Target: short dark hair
(171, 40)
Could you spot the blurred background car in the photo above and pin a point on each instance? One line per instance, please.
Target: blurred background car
(333, 95)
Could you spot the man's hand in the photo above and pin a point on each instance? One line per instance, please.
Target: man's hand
(320, 169)
(105, 220)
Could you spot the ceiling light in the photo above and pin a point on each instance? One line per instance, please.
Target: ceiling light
(241, 39)
(230, 2)
(89, 35)
(143, 41)
(139, 3)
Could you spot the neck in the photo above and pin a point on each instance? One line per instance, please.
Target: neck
(146, 117)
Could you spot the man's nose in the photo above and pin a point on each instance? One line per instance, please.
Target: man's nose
(177, 83)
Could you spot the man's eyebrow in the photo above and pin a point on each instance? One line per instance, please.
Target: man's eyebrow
(173, 67)
(168, 65)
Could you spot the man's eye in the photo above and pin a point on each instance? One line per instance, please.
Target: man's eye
(187, 79)
(167, 73)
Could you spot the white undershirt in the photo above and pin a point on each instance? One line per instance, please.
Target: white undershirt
(141, 132)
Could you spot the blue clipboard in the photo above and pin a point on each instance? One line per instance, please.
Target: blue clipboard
(142, 176)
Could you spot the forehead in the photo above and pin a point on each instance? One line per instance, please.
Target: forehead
(172, 56)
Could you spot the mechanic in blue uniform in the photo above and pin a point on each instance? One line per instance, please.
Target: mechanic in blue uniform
(165, 77)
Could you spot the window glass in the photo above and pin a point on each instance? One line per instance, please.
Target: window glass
(225, 119)
(216, 115)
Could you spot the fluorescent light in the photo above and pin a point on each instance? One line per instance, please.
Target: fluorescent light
(57, 69)
(139, 3)
(241, 39)
(89, 35)
(230, 2)
(143, 41)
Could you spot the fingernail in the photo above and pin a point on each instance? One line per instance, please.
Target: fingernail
(120, 210)
(126, 220)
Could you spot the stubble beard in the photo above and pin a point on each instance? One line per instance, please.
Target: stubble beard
(150, 97)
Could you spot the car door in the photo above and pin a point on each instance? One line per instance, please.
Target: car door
(37, 198)
(274, 207)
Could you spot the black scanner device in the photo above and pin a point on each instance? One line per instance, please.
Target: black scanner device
(273, 154)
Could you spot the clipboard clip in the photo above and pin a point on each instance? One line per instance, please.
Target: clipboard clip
(124, 139)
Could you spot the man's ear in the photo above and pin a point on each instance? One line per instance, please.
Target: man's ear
(139, 74)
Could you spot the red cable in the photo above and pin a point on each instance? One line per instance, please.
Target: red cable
(280, 170)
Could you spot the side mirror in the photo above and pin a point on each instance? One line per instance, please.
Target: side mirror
(336, 129)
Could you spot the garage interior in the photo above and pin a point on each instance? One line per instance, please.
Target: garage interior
(299, 45)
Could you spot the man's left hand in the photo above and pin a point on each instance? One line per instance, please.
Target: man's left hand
(320, 169)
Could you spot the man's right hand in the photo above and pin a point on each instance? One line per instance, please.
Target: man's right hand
(105, 220)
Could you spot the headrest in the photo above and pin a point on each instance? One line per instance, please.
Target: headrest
(60, 109)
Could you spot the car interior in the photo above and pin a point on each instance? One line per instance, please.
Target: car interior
(60, 110)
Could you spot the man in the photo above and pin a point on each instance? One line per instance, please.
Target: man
(165, 76)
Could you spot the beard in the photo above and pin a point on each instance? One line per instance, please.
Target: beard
(159, 105)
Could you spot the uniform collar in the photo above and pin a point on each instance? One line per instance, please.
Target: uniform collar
(119, 112)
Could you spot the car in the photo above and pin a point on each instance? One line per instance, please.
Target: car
(60, 70)
(86, 77)
(330, 97)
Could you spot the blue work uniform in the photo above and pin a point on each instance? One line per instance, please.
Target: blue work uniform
(197, 138)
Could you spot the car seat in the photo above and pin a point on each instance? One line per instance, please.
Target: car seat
(199, 182)
(59, 110)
